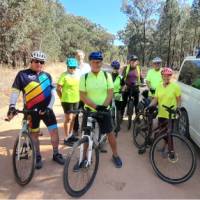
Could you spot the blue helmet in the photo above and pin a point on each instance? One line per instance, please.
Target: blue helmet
(96, 55)
(72, 62)
(115, 64)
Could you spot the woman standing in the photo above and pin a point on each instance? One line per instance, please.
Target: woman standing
(68, 91)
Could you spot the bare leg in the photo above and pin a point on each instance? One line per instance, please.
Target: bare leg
(113, 143)
(35, 138)
(54, 140)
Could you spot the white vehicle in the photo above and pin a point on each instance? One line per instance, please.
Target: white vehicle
(189, 81)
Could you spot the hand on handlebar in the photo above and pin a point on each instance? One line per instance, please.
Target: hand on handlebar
(11, 113)
(101, 108)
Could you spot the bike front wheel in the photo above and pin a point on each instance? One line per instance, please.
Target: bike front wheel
(173, 166)
(140, 131)
(23, 159)
(77, 181)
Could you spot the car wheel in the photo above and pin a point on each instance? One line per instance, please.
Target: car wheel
(183, 124)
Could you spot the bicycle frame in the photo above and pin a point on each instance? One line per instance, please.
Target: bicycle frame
(91, 140)
(23, 129)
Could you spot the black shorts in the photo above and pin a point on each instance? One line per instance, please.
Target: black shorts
(67, 107)
(48, 118)
(105, 123)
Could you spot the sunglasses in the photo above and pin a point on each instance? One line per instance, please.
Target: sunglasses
(71, 67)
(39, 61)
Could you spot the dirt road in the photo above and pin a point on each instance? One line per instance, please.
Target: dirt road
(135, 180)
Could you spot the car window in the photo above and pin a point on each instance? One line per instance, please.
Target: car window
(190, 73)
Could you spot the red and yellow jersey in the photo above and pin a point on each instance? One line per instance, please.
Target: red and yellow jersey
(36, 88)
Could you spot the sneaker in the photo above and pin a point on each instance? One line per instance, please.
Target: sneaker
(59, 158)
(38, 164)
(73, 138)
(78, 166)
(70, 141)
(117, 161)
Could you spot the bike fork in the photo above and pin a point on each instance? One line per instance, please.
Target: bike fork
(89, 151)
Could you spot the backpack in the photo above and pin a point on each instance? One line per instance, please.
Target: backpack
(105, 74)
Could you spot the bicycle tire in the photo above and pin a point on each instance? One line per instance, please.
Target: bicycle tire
(140, 132)
(166, 178)
(67, 186)
(130, 107)
(18, 177)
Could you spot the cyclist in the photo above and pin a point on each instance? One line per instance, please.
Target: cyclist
(167, 93)
(39, 93)
(154, 77)
(82, 68)
(132, 78)
(96, 92)
(68, 91)
(117, 80)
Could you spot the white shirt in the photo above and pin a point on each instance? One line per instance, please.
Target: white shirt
(84, 68)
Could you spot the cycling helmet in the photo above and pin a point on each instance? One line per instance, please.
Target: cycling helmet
(157, 60)
(96, 55)
(133, 57)
(72, 62)
(115, 64)
(38, 55)
(167, 71)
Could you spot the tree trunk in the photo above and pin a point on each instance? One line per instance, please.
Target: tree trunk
(173, 52)
(181, 53)
(169, 44)
(144, 46)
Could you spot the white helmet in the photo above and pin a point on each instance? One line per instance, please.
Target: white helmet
(157, 60)
(38, 55)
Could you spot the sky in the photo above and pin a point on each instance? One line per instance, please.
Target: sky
(104, 12)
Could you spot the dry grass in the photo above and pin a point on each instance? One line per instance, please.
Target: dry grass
(7, 76)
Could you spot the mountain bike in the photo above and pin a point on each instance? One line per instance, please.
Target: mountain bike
(82, 163)
(172, 156)
(130, 105)
(24, 155)
(116, 115)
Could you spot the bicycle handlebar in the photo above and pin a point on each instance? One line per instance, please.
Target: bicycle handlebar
(89, 113)
(169, 109)
(24, 111)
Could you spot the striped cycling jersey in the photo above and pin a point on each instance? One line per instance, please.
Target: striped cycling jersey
(36, 88)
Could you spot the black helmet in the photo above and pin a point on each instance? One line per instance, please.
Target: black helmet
(132, 57)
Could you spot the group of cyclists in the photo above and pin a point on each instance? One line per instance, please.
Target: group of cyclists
(87, 86)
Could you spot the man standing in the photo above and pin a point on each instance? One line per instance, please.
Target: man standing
(154, 77)
(96, 91)
(39, 93)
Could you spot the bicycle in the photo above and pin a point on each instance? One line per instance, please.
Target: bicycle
(89, 144)
(130, 105)
(116, 115)
(171, 155)
(24, 155)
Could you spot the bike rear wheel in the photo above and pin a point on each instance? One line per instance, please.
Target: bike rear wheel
(77, 183)
(175, 166)
(140, 131)
(130, 107)
(23, 159)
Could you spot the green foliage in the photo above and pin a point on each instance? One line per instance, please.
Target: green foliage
(27, 25)
(171, 32)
